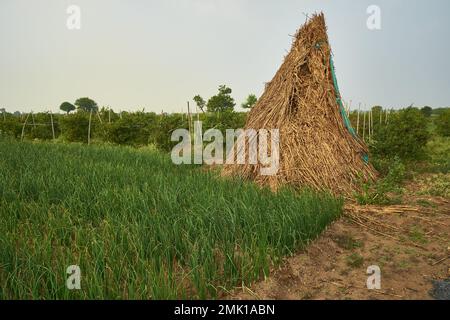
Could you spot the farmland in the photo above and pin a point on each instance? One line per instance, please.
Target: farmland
(138, 226)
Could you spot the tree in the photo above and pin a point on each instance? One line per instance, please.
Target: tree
(86, 104)
(250, 102)
(222, 101)
(377, 109)
(67, 107)
(427, 111)
(200, 102)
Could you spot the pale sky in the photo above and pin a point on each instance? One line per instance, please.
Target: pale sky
(157, 55)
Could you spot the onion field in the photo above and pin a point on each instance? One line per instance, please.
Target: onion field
(138, 226)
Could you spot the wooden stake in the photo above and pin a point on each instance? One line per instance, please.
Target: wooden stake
(189, 118)
(370, 114)
(99, 118)
(32, 118)
(23, 128)
(357, 121)
(364, 127)
(89, 128)
(371, 119)
(198, 114)
(53, 127)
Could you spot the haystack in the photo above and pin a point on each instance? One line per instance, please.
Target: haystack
(318, 147)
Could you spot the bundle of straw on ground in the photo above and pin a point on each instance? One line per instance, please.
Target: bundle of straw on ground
(317, 148)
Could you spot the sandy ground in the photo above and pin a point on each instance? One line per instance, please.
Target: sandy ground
(410, 243)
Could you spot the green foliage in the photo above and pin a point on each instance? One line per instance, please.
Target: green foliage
(75, 127)
(138, 226)
(437, 185)
(86, 104)
(250, 101)
(161, 136)
(417, 235)
(42, 128)
(387, 189)
(443, 123)
(427, 111)
(405, 136)
(11, 126)
(67, 107)
(130, 128)
(438, 152)
(224, 120)
(201, 103)
(134, 129)
(222, 101)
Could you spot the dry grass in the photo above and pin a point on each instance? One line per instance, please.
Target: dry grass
(316, 148)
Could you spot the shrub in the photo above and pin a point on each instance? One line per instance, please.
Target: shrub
(224, 120)
(11, 126)
(43, 128)
(405, 136)
(162, 133)
(133, 129)
(75, 126)
(387, 189)
(443, 123)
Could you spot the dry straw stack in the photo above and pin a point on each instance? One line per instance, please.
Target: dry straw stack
(317, 150)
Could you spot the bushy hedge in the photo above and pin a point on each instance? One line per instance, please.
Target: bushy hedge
(133, 129)
(127, 128)
(40, 127)
(11, 126)
(443, 123)
(75, 126)
(405, 136)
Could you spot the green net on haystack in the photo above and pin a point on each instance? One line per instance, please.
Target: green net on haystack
(318, 147)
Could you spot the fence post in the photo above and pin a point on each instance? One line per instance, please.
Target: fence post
(23, 128)
(32, 118)
(189, 118)
(99, 118)
(89, 128)
(357, 119)
(364, 127)
(53, 127)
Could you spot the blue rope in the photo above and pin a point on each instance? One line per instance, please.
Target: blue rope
(347, 122)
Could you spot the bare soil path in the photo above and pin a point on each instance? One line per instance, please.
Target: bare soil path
(410, 243)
